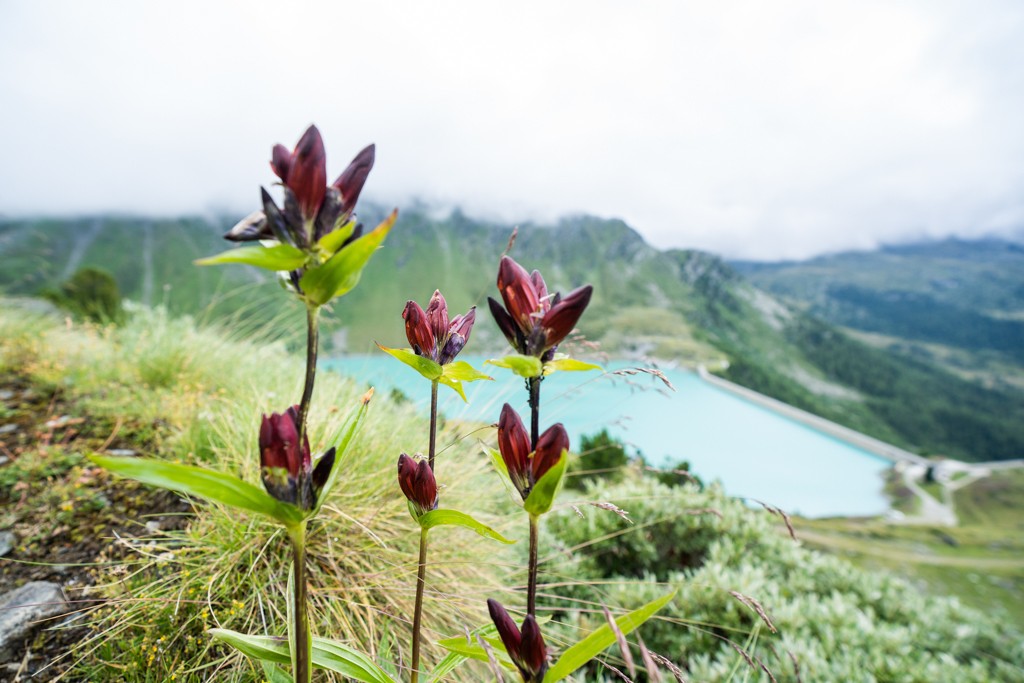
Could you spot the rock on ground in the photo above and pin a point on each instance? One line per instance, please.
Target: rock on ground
(22, 608)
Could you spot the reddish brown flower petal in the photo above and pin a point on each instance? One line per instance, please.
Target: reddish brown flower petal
(352, 179)
(533, 655)
(507, 629)
(507, 326)
(549, 450)
(518, 293)
(437, 316)
(307, 175)
(417, 330)
(280, 162)
(563, 316)
(322, 471)
(514, 445)
(270, 454)
(541, 288)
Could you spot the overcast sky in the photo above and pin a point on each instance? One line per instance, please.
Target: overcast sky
(753, 129)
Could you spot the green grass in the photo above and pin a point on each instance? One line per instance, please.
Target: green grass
(204, 390)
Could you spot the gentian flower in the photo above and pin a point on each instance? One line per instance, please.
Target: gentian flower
(533, 321)
(312, 208)
(286, 468)
(526, 647)
(418, 484)
(525, 468)
(432, 335)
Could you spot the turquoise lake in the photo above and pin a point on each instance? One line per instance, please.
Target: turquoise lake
(755, 452)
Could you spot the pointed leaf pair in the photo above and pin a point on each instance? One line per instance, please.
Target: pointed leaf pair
(451, 375)
(203, 483)
(341, 272)
(280, 257)
(542, 496)
(565, 364)
(456, 518)
(588, 648)
(524, 366)
(327, 654)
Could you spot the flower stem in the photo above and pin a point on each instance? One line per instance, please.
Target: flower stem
(534, 385)
(531, 594)
(418, 612)
(433, 424)
(312, 344)
(302, 654)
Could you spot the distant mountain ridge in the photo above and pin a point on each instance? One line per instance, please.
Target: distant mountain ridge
(679, 305)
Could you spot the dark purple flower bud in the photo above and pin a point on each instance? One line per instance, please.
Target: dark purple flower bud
(417, 330)
(560, 320)
(350, 182)
(285, 466)
(525, 648)
(514, 446)
(550, 446)
(307, 174)
(533, 321)
(437, 315)
(418, 484)
(432, 335)
(518, 292)
(311, 207)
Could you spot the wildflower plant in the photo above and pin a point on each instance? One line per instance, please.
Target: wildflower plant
(314, 243)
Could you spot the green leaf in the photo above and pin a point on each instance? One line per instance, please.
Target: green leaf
(338, 657)
(499, 464)
(292, 633)
(454, 384)
(568, 365)
(588, 648)
(266, 648)
(543, 493)
(332, 241)
(196, 481)
(340, 273)
(524, 366)
(464, 372)
(278, 257)
(456, 518)
(420, 364)
(473, 650)
(341, 442)
(275, 674)
(454, 659)
(327, 654)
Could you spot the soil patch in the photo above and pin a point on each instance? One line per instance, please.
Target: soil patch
(71, 520)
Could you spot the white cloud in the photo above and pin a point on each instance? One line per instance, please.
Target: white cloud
(753, 129)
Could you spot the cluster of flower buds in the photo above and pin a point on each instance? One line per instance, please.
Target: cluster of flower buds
(432, 335)
(525, 647)
(525, 465)
(286, 467)
(533, 321)
(418, 484)
(312, 208)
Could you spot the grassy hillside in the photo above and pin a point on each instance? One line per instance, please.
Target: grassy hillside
(176, 391)
(956, 302)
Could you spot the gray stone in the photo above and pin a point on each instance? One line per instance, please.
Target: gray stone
(22, 610)
(8, 428)
(121, 452)
(7, 542)
(6, 394)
